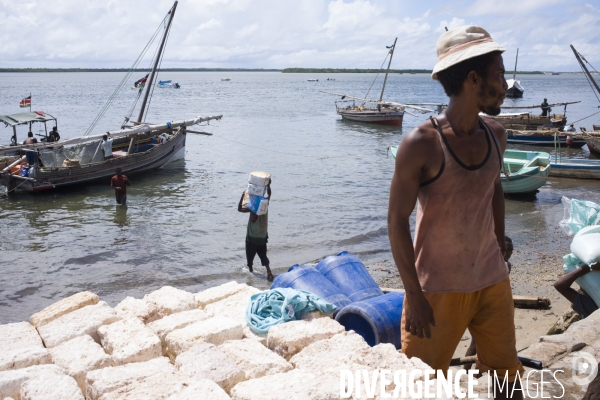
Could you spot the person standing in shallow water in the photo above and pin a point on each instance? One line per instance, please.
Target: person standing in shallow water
(120, 183)
(257, 236)
(454, 274)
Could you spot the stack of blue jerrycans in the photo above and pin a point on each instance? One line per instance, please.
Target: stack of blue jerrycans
(362, 307)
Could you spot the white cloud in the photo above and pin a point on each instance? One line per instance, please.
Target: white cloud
(276, 34)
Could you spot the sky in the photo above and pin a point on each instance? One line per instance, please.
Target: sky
(282, 33)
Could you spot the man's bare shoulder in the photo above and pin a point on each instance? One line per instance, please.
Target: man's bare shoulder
(420, 136)
(496, 127)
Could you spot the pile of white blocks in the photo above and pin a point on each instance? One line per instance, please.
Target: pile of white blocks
(173, 344)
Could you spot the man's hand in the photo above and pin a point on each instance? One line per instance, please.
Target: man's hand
(595, 267)
(419, 315)
(117, 187)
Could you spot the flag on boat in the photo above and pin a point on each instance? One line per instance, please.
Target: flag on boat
(26, 102)
(141, 82)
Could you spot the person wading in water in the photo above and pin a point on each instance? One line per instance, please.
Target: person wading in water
(455, 275)
(257, 236)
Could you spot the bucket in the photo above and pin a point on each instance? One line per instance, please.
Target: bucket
(376, 319)
(305, 277)
(349, 274)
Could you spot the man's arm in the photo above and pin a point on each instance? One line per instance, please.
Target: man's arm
(498, 198)
(563, 284)
(410, 161)
(240, 208)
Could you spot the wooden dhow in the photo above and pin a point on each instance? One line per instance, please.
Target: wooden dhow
(137, 147)
(380, 112)
(515, 89)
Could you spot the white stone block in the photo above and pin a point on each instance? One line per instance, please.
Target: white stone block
(170, 300)
(21, 347)
(155, 387)
(138, 308)
(84, 321)
(200, 389)
(170, 323)
(248, 334)
(51, 386)
(103, 381)
(341, 351)
(64, 306)
(11, 381)
(214, 330)
(546, 352)
(129, 341)
(289, 338)
(253, 358)
(214, 294)
(206, 361)
(79, 356)
(296, 384)
(233, 306)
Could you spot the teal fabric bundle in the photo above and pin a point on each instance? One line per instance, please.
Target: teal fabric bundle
(280, 305)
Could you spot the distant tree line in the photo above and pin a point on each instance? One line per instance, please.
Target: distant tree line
(353, 70)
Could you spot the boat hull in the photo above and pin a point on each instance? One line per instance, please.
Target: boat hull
(393, 118)
(575, 168)
(45, 179)
(542, 140)
(514, 92)
(594, 146)
(524, 171)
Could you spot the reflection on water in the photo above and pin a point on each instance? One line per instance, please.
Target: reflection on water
(181, 226)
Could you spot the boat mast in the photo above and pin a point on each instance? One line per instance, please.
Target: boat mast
(584, 68)
(388, 68)
(515, 71)
(150, 80)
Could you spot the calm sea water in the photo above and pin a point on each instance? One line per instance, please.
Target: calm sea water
(330, 183)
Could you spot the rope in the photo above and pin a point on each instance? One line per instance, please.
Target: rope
(597, 112)
(376, 76)
(16, 187)
(122, 83)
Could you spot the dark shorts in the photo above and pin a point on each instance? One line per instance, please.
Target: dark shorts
(254, 249)
(121, 198)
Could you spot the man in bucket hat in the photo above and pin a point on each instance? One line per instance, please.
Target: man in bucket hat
(454, 273)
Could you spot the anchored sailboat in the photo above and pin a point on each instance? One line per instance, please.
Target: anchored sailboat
(514, 86)
(137, 147)
(384, 112)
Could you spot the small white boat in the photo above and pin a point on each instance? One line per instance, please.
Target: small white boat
(168, 85)
(514, 86)
(225, 79)
(313, 80)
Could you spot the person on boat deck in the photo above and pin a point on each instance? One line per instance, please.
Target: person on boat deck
(545, 108)
(107, 146)
(53, 136)
(583, 304)
(570, 128)
(30, 139)
(120, 183)
(257, 236)
(454, 273)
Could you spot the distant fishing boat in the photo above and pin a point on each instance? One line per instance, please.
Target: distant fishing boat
(384, 112)
(313, 80)
(225, 79)
(331, 79)
(524, 172)
(168, 85)
(556, 73)
(514, 86)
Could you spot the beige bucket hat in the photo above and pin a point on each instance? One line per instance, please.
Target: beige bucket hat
(461, 44)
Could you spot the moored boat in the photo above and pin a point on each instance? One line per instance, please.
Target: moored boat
(168, 85)
(593, 146)
(546, 138)
(524, 171)
(575, 168)
(514, 89)
(136, 147)
(383, 112)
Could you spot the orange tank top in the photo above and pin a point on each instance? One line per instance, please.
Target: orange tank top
(456, 249)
